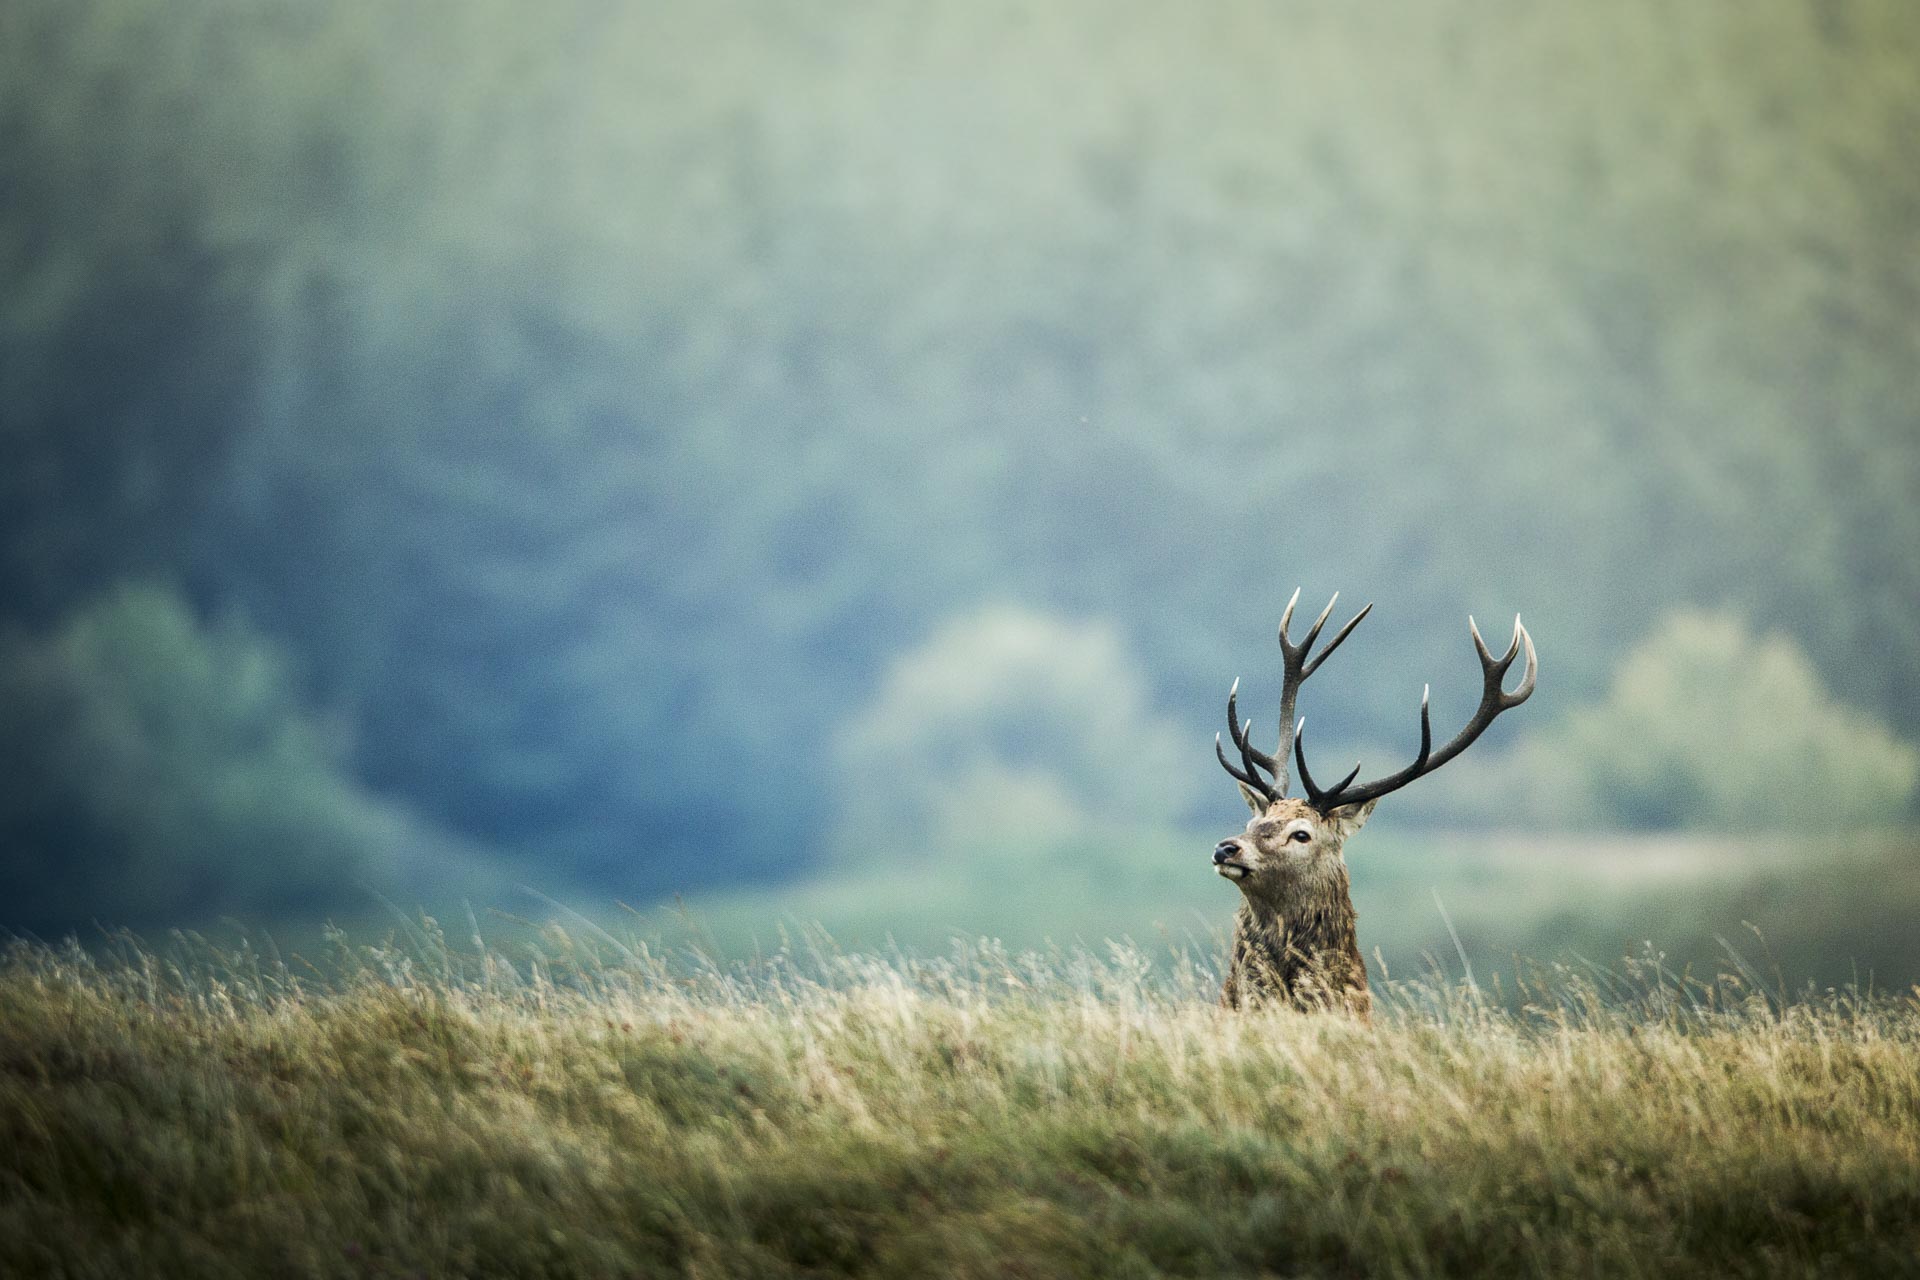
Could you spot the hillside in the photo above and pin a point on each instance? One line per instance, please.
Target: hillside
(447, 1111)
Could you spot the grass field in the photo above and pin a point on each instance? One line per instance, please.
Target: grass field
(587, 1107)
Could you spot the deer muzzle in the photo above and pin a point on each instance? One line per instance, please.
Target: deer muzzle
(1226, 860)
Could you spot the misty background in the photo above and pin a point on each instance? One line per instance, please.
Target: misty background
(830, 465)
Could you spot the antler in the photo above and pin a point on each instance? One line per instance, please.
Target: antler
(1493, 700)
(1296, 667)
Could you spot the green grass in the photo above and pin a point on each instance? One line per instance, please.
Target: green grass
(599, 1110)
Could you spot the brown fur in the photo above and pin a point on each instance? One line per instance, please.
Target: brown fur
(1295, 939)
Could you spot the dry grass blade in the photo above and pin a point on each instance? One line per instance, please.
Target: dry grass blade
(448, 1113)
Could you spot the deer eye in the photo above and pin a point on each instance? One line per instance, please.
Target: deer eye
(1300, 835)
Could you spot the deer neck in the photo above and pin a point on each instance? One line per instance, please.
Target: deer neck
(1301, 946)
(1313, 913)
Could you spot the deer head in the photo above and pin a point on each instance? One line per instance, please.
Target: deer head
(1296, 914)
(1287, 848)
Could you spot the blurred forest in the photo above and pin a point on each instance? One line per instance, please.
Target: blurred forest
(647, 447)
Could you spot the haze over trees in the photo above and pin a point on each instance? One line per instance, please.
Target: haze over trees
(545, 429)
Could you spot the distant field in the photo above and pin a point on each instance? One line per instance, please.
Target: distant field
(1839, 915)
(435, 1110)
(1832, 914)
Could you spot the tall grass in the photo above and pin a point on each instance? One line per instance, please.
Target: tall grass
(586, 1106)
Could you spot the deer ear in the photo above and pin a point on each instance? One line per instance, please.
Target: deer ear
(1349, 818)
(1255, 801)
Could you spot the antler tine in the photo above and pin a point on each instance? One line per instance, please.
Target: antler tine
(1299, 662)
(1249, 754)
(1494, 670)
(1253, 781)
(1315, 796)
(1473, 629)
(1286, 615)
(1239, 731)
(1528, 673)
(1426, 726)
(1334, 643)
(1493, 700)
(1296, 653)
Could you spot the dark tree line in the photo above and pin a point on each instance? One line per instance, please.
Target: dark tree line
(584, 407)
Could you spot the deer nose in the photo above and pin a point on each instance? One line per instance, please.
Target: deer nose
(1224, 850)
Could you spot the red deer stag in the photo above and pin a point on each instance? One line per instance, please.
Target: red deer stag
(1293, 937)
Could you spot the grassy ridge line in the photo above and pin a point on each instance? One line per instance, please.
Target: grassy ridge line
(1845, 916)
(987, 1114)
